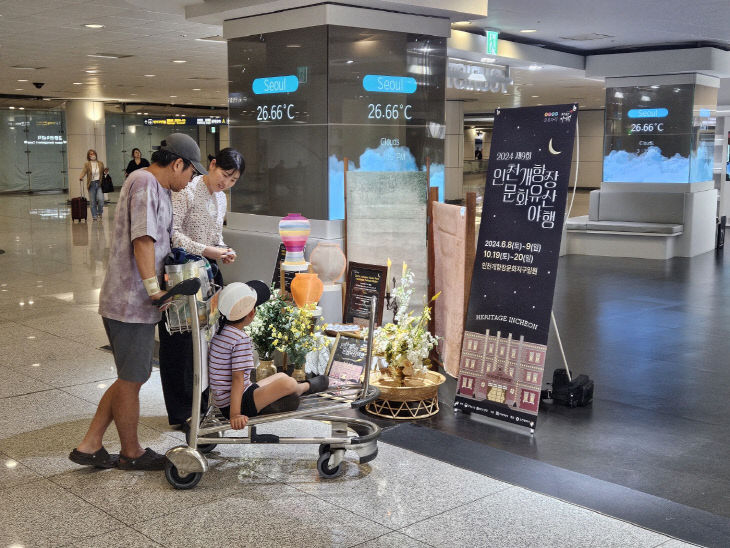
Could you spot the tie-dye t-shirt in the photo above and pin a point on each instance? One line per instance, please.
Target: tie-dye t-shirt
(144, 209)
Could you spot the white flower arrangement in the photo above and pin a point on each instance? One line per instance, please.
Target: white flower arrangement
(406, 343)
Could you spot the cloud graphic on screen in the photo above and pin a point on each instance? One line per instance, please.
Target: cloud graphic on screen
(383, 158)
(651, 166)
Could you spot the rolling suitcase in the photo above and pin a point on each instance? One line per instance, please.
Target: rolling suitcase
(79, 206)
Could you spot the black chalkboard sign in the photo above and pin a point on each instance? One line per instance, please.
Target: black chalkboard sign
(288, 274)
(348, 358)
(364, 281)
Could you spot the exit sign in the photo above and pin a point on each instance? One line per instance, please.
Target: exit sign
(492, 39)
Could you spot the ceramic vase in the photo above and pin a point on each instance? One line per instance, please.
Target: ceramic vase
(264, 369)
(306, 289)
(328, 261)
(294, 231)
(298, 373)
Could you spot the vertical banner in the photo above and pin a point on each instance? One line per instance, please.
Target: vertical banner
(508, 318)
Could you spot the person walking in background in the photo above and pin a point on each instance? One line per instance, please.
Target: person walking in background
(93, 171)
(198, 213)
(140, 244)
(137, 162)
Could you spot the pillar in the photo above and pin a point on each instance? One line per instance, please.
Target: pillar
(85, 129)
(454, 151)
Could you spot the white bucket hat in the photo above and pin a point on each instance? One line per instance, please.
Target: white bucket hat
(236, 301)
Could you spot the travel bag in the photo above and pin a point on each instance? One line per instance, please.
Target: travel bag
(79, 206)
(106, 184)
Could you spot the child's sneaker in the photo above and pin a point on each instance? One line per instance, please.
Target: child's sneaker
(318, 384)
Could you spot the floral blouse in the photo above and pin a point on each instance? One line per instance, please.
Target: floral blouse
(197, 217)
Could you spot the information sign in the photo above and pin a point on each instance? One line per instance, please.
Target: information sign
(508, 317)
(364, 281)
(347, 360)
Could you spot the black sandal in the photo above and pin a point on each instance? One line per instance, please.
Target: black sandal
(149, 460)
(318, 383)
(99, 459)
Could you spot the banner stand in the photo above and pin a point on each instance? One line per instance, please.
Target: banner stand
(502, 425)
(513, 283)
(560, 345)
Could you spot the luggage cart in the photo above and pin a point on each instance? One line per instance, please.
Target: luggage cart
(186, 464)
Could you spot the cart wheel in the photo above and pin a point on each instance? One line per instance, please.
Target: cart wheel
(324, 469)
(324, 448)
(204, 448)
(187, 481)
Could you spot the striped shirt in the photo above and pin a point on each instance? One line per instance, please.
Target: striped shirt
(230, 350)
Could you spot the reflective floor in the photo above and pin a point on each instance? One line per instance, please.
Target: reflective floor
(52, 373)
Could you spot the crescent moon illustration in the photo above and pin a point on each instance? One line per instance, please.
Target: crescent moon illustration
(551, 149)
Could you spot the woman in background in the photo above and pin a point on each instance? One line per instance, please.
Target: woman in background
(137, 162)
(93, 171)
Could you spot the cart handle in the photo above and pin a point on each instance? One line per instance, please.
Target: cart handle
(187, 287)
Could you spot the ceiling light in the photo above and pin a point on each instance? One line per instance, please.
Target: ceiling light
(488, 59)
(535, 96)
(77, 83)
(139, 113)
(179, 61)
(144, 113)
(349, 61)
(22, 80)
(654, 87)
(618, 95)
(534, 67)
(91, 71)
(294, 45)
(18, 89)
(109, 55)
(22, 108)
(196, 89)
(173, 96)
(11, 108)
(94, 26)
(528, 30)
(150, 75)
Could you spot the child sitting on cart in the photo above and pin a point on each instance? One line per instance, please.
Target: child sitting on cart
(230, 362)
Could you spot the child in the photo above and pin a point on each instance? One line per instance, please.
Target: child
(230, 361)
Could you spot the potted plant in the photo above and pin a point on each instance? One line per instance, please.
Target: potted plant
(296, 335)
(270, 317)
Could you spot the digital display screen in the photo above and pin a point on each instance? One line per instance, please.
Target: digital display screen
(659, 133)
(304, 101)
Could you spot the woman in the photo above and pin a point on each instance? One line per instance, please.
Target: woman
(93, 171)
(137, 162)
(197, 227)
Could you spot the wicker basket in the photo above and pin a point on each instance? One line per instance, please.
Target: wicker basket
(417, 399)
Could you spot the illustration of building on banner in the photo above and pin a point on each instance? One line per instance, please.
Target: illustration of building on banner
(501, 370)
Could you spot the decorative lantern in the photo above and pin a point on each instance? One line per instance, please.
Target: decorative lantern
(294, 231)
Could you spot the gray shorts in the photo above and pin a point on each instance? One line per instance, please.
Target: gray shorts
(133, 346)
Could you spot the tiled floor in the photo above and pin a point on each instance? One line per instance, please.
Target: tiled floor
(52, 373)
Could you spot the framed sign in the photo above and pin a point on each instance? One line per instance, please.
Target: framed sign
(347, 360)
(364, 281)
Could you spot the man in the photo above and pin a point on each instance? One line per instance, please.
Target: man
(141, 241)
